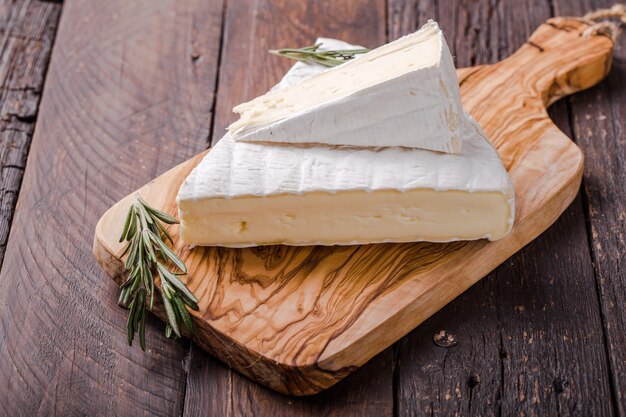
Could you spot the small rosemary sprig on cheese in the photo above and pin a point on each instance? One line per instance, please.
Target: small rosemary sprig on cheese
(148, 254)
(310, 54)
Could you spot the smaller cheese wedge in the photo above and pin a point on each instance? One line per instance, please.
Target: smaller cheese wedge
(404, 94)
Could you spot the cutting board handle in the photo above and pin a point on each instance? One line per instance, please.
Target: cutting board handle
(561, 59)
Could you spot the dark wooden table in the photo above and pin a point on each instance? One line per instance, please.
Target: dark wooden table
(98, 97)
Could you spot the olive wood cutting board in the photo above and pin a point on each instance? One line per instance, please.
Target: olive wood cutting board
(299, 319)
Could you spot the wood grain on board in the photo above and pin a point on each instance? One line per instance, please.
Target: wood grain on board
(128, 94)
(529, 335)
(300, 319)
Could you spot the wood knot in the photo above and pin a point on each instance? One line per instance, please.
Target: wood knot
(445, 339)
(559, 385)
(473, 380)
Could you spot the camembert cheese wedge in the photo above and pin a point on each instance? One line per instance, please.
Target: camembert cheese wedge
(383, 98)
(247, 194)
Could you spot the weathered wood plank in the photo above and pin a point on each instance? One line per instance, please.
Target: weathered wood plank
(247, 70)
(599, 126)
(27, 30)
(214, 390)
(530, 340)
(128, 95)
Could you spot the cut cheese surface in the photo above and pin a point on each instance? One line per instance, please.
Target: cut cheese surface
(346, 218)
(248, 194)
(404, 94)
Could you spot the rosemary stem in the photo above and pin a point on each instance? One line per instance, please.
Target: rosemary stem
(312, 54)
(145, 233)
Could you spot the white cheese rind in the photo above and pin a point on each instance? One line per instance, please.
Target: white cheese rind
(387, 97)
(249, 194)
(241, 169)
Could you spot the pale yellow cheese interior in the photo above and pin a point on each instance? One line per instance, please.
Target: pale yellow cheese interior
(346, 218)
(410, 53)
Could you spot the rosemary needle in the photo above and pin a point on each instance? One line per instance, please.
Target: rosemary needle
(312, 54)
(147, 255)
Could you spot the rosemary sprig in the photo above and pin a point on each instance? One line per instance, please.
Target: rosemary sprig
(148, 255)
(310, 54)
